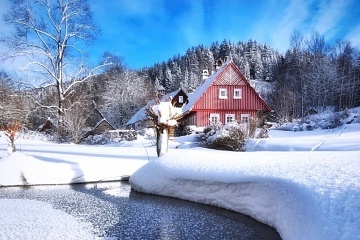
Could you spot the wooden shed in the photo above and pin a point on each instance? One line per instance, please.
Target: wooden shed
(96, 123)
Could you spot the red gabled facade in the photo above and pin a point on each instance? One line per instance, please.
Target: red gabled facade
(225, 96)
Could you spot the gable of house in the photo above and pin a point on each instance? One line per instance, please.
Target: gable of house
(96, 123)
(225, 96)
(94, 117)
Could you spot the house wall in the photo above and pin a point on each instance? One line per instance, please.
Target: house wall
(189, 119)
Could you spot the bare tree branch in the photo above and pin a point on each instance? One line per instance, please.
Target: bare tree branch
(48, 34)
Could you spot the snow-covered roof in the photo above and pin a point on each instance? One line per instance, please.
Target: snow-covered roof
(161, 88)
(141, 115)
(199, 91)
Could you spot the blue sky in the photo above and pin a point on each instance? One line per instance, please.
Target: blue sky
(149, 31)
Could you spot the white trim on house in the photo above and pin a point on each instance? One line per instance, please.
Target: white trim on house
(237, 93)
(223, 93)
(245, 118)
(214, 118)
(230, 117)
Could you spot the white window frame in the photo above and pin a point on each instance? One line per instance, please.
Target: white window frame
(223, 93)
(181, 99)
(245, 118)
(230, 117)
(214, 118)
(239, 91)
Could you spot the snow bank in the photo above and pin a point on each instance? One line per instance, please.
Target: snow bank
(39, 162)
(311, 195)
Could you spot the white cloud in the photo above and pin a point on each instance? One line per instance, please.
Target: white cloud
(329, 17)
(295, 14)
(354, 36)
(134, 8)
(7, 65)
(192, 25)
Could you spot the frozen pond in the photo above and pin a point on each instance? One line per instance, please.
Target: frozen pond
(117, 212)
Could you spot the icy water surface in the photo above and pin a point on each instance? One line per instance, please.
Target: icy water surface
(117, 212)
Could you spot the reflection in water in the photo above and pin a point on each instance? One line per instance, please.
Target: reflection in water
(116, 211)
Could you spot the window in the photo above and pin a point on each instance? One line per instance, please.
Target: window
(245, 118)
(223, 93)
(181, 99)
(229, 118)
(237, 93)
(214, 118)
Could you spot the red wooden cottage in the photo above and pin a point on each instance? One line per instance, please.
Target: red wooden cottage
(225, 96)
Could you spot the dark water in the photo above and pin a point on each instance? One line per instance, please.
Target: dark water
(117, 212)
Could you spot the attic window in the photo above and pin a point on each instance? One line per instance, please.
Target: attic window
(222, 93)
(237, 94)
(181, 99)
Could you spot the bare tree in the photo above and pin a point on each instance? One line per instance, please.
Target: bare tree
(297, 41)
(11, 132)
(317, 45)
(50, 35)
(126, 92)
(75, 119)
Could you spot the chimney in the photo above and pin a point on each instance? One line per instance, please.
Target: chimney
(204, 74)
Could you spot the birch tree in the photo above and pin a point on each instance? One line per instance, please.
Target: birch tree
(50, 34)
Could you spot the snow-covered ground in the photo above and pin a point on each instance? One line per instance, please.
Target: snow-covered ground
(305, 184)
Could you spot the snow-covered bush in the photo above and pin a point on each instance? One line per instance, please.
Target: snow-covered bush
(185, 130)
(99, 139)
(121, 135)
(324, 120)
(113, 136)
(229, 137)
(264, 132)
(36, 135)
